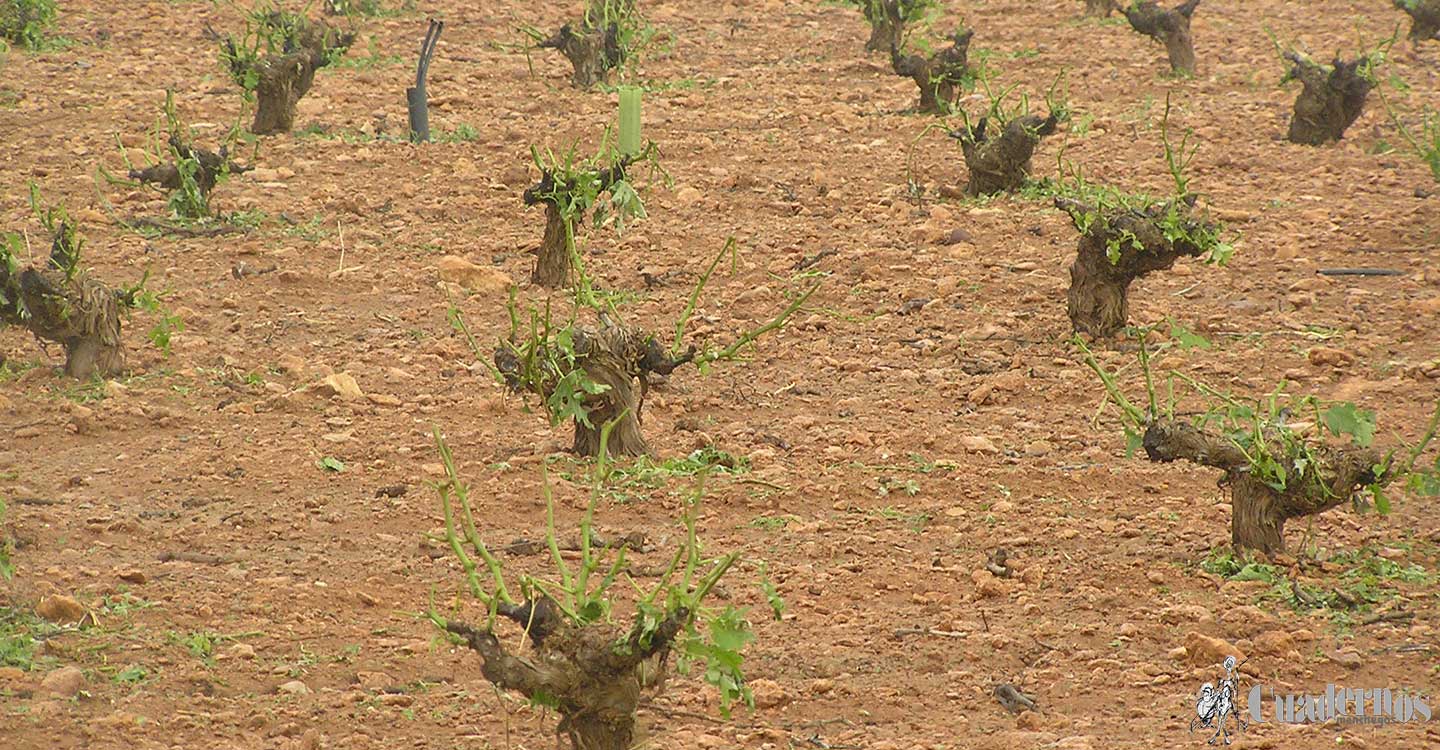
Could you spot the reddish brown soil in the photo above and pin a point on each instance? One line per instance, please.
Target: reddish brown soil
(781, 131)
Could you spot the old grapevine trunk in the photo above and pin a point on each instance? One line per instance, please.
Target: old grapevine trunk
(593, 678)
(1259, 511)
(1331, 99)
(1000, 162)
(1424, 19)
(282, 79)
(938, 76)
(1171, 27)
(209, 166)
(1117, 247)
(553, 262)
(887, 24)
(617, 358)
(81, 314)
(592, 51)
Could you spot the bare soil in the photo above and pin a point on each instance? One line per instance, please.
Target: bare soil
(186, 498)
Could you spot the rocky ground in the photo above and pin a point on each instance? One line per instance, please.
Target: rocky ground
(188, 573)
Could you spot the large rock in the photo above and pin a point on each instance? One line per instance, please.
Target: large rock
(341, 384)
(474, 277)
(60, 609)
(1206, 651)
(64, 682)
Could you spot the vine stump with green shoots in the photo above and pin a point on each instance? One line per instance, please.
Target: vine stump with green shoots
(1121, 243)
(1170, 26)
(293, 48)
(999, 158)
(579, 663)
(938, 76)
(174, 165)
(192, 168)
(594, 45)
(597, 376)
(26, 22)
(1331, 98)
(567, 194)
(888, 19)
(1331, 475)
(1284, 457)
(1424, 19)
(58, 301)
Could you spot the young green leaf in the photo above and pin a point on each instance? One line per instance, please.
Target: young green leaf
(329, 463)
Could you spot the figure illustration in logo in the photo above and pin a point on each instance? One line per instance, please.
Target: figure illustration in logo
(1216, 704)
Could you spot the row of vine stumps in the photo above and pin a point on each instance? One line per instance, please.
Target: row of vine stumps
(576, 357)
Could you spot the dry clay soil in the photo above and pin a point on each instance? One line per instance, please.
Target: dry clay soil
(924, 409)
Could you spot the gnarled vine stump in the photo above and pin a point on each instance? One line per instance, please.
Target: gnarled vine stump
(79, 313)
(939, 75)
(1099, 294)
(617, 358)
(281, 79)
(553, 261)
(1259, 511)
(591, 676)
(209, 166)
(1331, 99)
(1171, 27)
(1424, 19)
(1000, 162)
(887, 23)
(592, 44)
(593, 52)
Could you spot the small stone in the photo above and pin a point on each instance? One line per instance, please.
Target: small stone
(240, 651)
(1324, 356)
(341, 384)
(1028, 720)
(688, 195)
(1348, 658)
(64, 682)
(1273, 642)
(1188, 614)
(60, 609)
(294, 687)
(290, 364)
(1204, 650)
(474, 277)
(768, 693)
(978, 444)
(374, 680)
(956, 236)
(131, 575)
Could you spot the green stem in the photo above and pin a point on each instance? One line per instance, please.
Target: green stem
(550, 527)
(472, 535)
(695, 296)
(1419, 448)
(1132, 415)
(777, 322)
